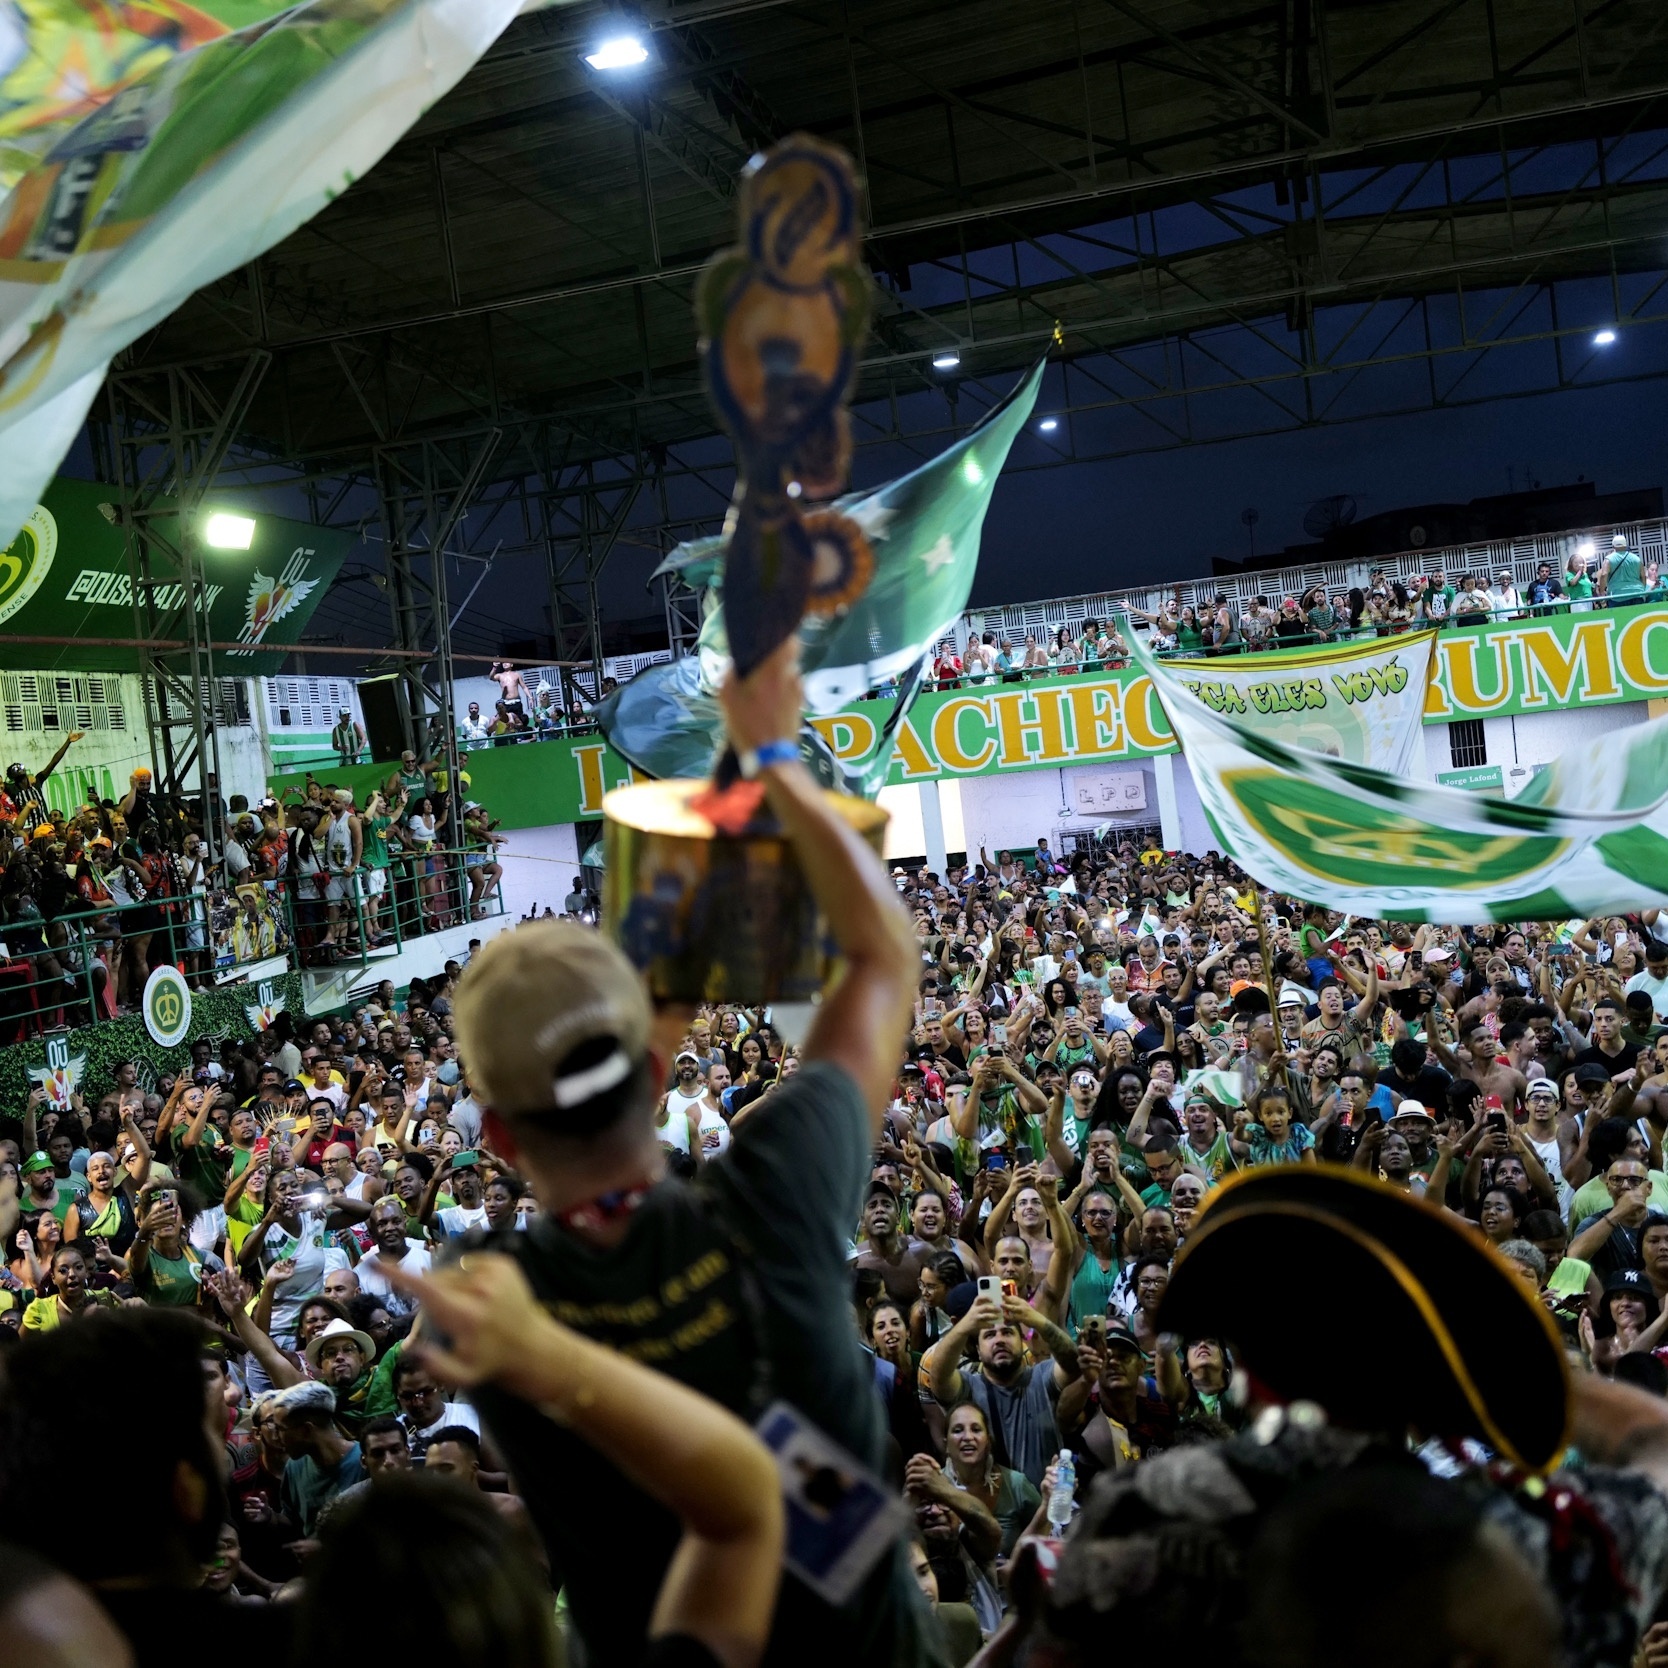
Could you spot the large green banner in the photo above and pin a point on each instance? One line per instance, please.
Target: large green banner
(1523, 666)
(1588, 836)
(66, 575)
(1602, 657)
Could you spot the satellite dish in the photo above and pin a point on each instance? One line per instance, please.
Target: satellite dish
(1327, 515)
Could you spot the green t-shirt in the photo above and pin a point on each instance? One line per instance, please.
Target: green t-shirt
(1065, 1056)
(1578, 586)
(376, 841)
(170, 1282)
(1216, 1160)
(70, 1188)
(1593, 1197)
(196, 1166)
(1626, 575)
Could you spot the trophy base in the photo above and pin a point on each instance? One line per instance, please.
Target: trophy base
(711, 917)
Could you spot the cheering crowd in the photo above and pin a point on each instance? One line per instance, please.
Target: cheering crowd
(93, 898)
(661, 1254)
(1383, 607)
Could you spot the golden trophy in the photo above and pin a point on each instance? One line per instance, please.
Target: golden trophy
(701, 890)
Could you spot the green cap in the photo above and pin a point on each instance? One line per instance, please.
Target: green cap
(34, 1163)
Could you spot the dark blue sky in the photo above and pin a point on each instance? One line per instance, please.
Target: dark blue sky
(1163, 516)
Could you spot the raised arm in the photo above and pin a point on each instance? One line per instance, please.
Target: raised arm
(944, 1379)
(231, 1294)
(432, 1192)
(141, 1152)
(694, 1457)
(1003, 1208)
(864, 1015)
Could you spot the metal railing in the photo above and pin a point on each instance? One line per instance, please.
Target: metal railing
(80, 967)
(54, 972)
(422, 892)
(1521, 557)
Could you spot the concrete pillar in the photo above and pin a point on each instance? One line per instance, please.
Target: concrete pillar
(932, 827)
(1169, 818)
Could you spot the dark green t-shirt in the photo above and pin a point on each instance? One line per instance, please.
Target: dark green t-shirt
(197, 1166)
(753, 1254)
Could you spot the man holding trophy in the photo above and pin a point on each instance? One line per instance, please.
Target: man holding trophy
(736, 1284)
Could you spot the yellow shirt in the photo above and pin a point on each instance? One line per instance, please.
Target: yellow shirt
(44, 1315)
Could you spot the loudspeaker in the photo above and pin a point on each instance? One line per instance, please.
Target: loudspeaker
(382, 700)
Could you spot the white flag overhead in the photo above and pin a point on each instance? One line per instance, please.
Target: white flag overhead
(200, 151)
(1589, 836)
(1362, 701)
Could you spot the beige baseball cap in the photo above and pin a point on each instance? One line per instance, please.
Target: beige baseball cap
(534, 997)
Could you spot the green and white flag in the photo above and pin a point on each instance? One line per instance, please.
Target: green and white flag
(1589, 836)
(1361, 701)
(924, 529)
(147, 150)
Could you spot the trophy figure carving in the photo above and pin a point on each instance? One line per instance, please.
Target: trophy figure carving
(702, 892)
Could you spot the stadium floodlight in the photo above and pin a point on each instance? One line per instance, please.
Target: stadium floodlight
(946, 361)
(1049, 424)
(1604, 338)
(618, 52)
(229, 532)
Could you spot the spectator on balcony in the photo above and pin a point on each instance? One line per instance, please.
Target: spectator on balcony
(512, 687)
(1544, 590)
(480, 842)
(472, 727)
(1579, 574)
(1430, 600)
(1503, 600)
(1190, 638)
(946, 665)
(343, 852)
(379, 817)
(547, 716)
(1256, 625)
(1224, 627)
(1319, 615)
(981, 659)
(1066, 656)
(24, 791)
(1622, 575)
(1471, 604)
(1289, 624)
(1161, 637)
(347, 738)
(1035, 657)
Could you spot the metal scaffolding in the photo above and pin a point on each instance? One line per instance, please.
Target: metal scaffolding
(1244, 219)
(166, 440)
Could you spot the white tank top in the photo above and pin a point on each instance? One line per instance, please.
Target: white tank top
(339, 845)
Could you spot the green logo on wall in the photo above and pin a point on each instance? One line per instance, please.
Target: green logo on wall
(167, 1006)
(26, 564)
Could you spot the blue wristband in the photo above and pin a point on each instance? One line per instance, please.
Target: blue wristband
(755, 759)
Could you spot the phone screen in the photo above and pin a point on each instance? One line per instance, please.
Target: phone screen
(997, 1162)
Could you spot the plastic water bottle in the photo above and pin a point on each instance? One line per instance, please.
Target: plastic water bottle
(1060, 1502)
